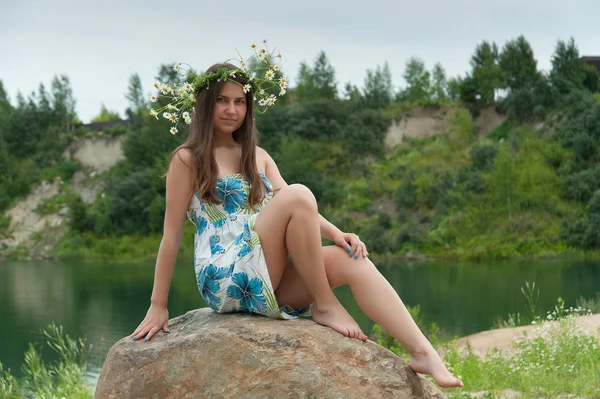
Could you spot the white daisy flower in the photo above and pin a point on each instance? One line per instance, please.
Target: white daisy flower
(282, 80)
(185, 115)
(153, 99)
(269, 75)
(154, 113)
(165, 89)
(246, 88)
(283, 85)
(176, 66)
(261, 92)
(276, 67)
(271, 66)
(173, 118)
(187, 86)
(188, 121)
(167, 115)
(181, 91)
(193, 97)
(262, 102)
(282, 92)
(173, 130)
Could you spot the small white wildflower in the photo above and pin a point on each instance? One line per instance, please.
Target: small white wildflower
(167, 115)
(282, 92)
(176, 66)
(193, 97)
(276, 67)
(283, 85)
(232, 74)
(173, 118)
(282, 80)
(261, 92)
(246, 88)
(262, 102)
(154, 113)
(173, 130)
(188, 121)
(153, 98)
(187, 86)
(269, 75)
(165, 89)
(185, 115)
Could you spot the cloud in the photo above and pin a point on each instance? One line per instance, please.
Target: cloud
(99, 45)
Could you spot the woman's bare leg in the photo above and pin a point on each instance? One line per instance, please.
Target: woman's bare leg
(378, 299)
(289, 224)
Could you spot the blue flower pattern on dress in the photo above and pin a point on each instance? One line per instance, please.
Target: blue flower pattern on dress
(232, 193)
(209, 285)
(230, 266)
(201, 225)
(248, 292)
(215, 248)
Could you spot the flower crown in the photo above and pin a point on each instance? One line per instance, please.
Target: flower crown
(263, 78)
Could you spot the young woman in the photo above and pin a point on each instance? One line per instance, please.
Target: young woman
(258, 240)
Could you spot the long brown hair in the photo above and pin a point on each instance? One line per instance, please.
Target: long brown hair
(201, 143)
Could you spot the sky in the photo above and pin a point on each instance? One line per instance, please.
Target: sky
(100, 44)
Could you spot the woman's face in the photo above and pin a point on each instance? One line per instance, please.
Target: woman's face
(230, 108)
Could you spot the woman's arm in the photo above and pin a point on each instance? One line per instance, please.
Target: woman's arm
(178, 194)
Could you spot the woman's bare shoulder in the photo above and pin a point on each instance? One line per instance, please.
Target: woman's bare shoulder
(183, 155)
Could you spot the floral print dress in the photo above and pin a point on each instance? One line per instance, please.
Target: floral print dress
(230, 266)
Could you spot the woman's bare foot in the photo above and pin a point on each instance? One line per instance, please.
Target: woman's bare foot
(429, 362)
(336, 317)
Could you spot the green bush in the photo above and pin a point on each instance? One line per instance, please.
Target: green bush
(483, 154)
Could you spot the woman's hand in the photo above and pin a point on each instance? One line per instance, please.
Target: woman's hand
(352, 243)
(156, 319)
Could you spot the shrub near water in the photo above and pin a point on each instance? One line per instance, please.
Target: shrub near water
(62, 379)
(566, 361)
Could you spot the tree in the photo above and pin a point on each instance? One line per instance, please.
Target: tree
(454, 88)
(318, 81)
(378, 89)
(135, 96)
(518, 64)
(63, 106)
(568, 69)
(439, 89)
(351, 92)
(324, 77)
(486, 73)
(105, 115)
(418, 80)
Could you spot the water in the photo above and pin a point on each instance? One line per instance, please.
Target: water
(105, 301)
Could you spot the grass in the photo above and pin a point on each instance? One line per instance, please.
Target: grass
(563, 361)
(61, 379)
(556, 359)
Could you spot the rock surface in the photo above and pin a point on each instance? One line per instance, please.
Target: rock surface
(209, 355)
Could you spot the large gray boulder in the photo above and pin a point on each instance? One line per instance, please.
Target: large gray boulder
(210, 355)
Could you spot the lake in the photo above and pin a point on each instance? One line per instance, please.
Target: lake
(105, 301)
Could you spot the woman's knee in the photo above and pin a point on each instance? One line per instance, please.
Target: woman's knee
(299, 196)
